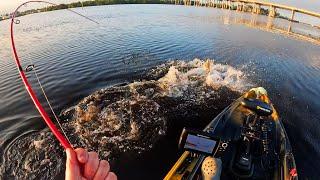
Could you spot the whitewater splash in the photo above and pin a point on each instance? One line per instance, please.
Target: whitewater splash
(182, 75)
(130, 118)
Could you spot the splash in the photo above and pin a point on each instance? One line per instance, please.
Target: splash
(182, 75)
(131, 118)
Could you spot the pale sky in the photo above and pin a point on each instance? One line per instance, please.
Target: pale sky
(7, 6)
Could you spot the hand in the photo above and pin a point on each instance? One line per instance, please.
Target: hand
(83, 165)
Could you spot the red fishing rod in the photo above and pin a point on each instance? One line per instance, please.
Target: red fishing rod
(60, 137)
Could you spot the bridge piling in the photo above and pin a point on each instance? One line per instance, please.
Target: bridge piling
(292, 15)
(289, 28)
(272, 11)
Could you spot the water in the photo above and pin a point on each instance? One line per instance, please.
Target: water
(75, 58)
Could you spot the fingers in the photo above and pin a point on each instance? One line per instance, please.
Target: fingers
(82, 155)
(72, 166)
(102, 171)
(91, 167)
(111, 176)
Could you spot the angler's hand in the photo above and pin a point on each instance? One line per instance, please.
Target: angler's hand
(83, 165)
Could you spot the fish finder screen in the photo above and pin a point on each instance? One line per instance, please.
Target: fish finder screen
(199, 143)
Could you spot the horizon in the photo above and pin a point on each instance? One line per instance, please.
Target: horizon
(10, 6)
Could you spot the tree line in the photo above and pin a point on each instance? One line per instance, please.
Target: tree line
(90, 3)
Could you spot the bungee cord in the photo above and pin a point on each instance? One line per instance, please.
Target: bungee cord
(62, 138)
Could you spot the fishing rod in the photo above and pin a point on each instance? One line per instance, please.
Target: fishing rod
(62, 138)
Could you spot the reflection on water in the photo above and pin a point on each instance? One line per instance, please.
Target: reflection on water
(297, 30)
(76, 58)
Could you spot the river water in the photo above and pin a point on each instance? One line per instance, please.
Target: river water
(76, 58)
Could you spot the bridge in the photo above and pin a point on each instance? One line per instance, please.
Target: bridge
(254, 6)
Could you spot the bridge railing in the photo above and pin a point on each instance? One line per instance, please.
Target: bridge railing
(240, 5)
(264, 8)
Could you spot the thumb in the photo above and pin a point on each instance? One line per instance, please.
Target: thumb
(72, 166)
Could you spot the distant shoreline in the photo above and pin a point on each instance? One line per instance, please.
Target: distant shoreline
(85, 4)
(114, 2)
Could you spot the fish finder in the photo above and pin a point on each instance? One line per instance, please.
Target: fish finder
(199, 142)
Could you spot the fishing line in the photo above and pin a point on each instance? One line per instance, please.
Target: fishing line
(62, 138)
(34, 69)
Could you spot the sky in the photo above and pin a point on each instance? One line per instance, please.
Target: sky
(7, 6)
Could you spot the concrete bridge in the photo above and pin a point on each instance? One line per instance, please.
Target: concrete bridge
(253, 21)
(254, 6)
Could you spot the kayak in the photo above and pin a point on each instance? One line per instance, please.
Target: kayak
(247, 140)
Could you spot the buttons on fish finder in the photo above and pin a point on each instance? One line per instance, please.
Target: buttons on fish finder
(223, 146)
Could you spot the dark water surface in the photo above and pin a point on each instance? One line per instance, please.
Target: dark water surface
(76, 57)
